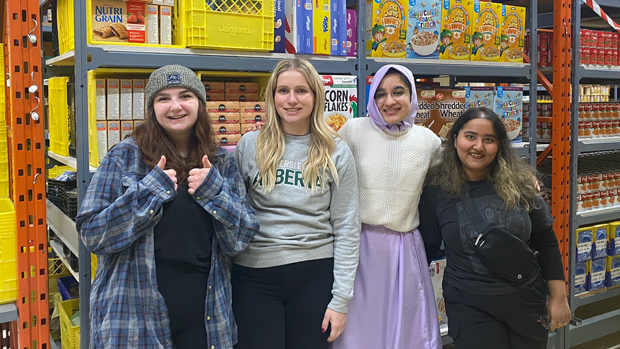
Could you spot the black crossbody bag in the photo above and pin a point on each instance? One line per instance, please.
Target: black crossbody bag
(500, 251)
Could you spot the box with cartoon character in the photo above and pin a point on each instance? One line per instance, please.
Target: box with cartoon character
(511, 39)
(386, 28)
(423, 27)
(340, 99)
(508, 106)
(455, 40)
(485, 31)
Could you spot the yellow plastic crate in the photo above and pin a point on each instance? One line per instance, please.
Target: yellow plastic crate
(55, 270)
(67, 37)
(244, 25)
(59, 115)
(58, 170)
(69, 334)
(8, 252)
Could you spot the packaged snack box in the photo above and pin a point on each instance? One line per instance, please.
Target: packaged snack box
(117, 21)
(352, 33)
(423, 27)
(601, 232)
(612, 277)
(224, 140)
(338, 27)
(455, 40)
(613, 245)
(479, 97)
(512, 29)
(485, 31)
(509, 107)
(340, 99)
(439, 108)
(585, 239)
(581, 277)
(597, 274)
(321, 24)
(386, 29)
(278, 27)
(437, 268)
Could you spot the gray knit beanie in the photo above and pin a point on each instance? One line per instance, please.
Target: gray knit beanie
(173, 76)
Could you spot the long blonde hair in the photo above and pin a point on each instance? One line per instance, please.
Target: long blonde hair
(271, 143)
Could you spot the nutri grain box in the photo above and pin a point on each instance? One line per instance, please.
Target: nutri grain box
(439, 108)
(386, 28)
(321, 22)
(423, 27)
(338, 27)
(278, 27)
(485, 31)
(352, 33)
(340, 99)
(508, 105)
(512, 29)
(117, 21)
(455, 40)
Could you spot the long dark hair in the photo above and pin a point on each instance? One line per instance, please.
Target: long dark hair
(154, 142)
(511, 177)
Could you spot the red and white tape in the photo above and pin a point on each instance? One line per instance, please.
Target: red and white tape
(596, 8)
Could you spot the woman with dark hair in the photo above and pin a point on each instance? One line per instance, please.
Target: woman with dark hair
(393, 305)
(486, 310)
(164, 210)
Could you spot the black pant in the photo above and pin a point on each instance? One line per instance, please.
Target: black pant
(497, 322)
(282, 307)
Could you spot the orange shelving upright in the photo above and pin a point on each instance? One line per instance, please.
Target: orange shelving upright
(27, 166)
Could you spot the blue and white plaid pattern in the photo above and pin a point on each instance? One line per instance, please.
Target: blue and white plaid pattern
(122, 205)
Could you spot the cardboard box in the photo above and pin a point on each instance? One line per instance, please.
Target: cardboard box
(165, 25)
(137, 123)
(585, 243)
(113, 98)
(100, 99)
(455, 39)
(102, 139)
(292, 25)
(153, 24)
(439, 108)
(511, 39)
(114, 133)
(126, 99)
(215, 96)
(279, 32)
(169, 3)
(340, 99)
(241, 96)
(320, 22)
(437, 269)
(252, 118)
(241, 87)
(224, 140)
(224, 118)
(126, 129)
(485, 31)
(352, 33)
(423, 27)
(386, 28)
(138, 99)
(508, 105)
(158, 2)
(479, 97)
(116, 21)
(214, 86)
(222, 107)
(226, 129)
(252, 107)
(338, 27)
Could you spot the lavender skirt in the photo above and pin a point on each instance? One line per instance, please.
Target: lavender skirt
(393, 306)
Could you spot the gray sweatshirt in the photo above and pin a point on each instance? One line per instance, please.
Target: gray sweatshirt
(297, 224)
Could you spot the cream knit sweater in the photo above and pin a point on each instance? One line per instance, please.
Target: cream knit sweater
(391, 167)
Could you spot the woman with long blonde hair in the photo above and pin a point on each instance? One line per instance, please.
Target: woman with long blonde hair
(292, 285)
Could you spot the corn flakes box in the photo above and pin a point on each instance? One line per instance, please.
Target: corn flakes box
(455, 40)
(423, 27)
(512, 32)
(508, 105)
(438, 109)
(485, 31)
(386, 31)
(321, 21)
(340, 99)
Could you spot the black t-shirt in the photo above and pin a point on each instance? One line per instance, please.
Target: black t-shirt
(444, 218)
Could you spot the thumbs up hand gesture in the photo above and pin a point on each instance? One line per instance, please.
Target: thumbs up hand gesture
(198, 175)
(171, 173)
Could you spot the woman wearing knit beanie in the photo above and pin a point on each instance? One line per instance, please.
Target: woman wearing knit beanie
(164, 210)
(393, 306)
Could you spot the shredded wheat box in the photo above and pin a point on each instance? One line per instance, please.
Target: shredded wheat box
(320, 21)
(340, 99)
(100, 99)
(126, 99)
(102, 139)
(138, 98)
(118, 21)
(423, 27)
(113, 99)
(386, 28)
(439, 108)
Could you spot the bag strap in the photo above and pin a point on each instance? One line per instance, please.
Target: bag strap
(473, 212)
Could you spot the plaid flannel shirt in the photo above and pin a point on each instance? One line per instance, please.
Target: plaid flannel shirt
(116, 220)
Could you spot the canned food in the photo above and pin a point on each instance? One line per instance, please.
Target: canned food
(543, 57)
(615, 128)
(603, 200)
(587, 129)
(614, 40)
(614, 58)
(588, 114)
(609, 57)
(600, 57)
(584, 57)
(593, 56)
(543, 40)
(596, 200)
(600, 40)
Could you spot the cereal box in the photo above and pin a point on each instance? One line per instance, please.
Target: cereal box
(340, 99)
(320, 20)
(278, 27)
(153, 24)
(126, 108)
(386, 28)
(439, 108)
(511, 40)
(423, 27)
(116, 21)
(100, 99)
(485, 31)
(479, 97)
(102, 139)
(338, 27)
(113, 99)
(114, 133)
(455, 41)
(126, 129)
(165, 25)
(138, 99)
(509, 107)
(298, 27)
(436, 269)
(352, 33)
